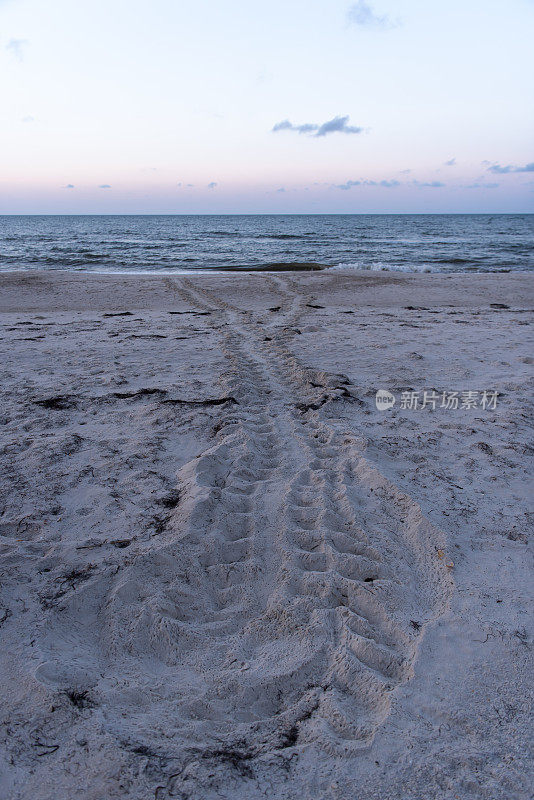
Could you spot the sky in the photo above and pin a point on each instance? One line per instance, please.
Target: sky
(291, 106)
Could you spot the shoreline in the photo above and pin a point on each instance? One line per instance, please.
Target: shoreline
(253, 271)
(19, 287)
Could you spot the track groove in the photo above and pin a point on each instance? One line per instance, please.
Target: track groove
(321, 568)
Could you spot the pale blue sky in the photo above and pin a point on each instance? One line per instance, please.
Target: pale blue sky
(169, 106)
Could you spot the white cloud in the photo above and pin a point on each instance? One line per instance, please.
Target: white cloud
(363, 14)
(498, 170)
(16, 48)
(335, 125)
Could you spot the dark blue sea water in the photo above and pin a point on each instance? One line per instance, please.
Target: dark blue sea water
(410, 243)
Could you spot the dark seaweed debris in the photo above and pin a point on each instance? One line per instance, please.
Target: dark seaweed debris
(235, 758)
(195, 313)
(147, 336)
(290, 737)
(80, 699)
(118, 314)
(46, 749)
(274, 266)
(211, 401)
(138, 393)
(304, 407)
(170, 500)
(163, 394)
(68, 581)
(58, 403)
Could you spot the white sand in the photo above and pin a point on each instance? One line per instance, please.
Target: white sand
(287, 594)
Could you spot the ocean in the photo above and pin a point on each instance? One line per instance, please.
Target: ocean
(407, 243)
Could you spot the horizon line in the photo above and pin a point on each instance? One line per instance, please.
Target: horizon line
(275, 214)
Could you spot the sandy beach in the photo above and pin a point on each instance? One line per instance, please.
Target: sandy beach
(228, 574)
